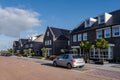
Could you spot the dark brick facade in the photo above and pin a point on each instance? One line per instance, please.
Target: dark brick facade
(59, 40)
(91, 33)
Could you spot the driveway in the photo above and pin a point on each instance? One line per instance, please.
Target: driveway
(12, 68)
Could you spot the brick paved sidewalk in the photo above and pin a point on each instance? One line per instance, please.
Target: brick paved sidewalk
(109, 66)
(105, 73)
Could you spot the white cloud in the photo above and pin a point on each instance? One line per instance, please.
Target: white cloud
(14, 20)
(29, 33)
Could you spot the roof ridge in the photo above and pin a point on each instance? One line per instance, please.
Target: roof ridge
(59, 28)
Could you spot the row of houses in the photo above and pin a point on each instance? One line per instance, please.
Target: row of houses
(35, 43)
(53, 40)
(106, 25)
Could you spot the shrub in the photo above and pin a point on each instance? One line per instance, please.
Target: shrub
(52, 57)
(19, 55)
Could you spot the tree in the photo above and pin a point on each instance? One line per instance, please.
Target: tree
(101, 44)
(29, 51)
(10, 50)
(44, 51)
(86, 46)
(26, 52)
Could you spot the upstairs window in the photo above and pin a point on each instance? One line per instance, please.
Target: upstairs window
(101, 19)
(87, 23)
(79, 37)
(116, 31)
(99, 34)
(48, 33)
(104, 18)
(107, 33)
(74, 38)
(68, 43)
(31, 45)
(50, 42)
(84, 36)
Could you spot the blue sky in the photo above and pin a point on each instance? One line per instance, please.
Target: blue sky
(42, 13)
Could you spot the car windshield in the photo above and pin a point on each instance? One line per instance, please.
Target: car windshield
(76, 56)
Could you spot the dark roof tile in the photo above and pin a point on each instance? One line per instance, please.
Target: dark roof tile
(58, 32)
(114, 20)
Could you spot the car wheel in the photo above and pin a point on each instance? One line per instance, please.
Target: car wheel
(69, 66)
(55, 64)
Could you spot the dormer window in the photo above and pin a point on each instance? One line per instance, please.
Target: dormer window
(104, 18)
(89, 22)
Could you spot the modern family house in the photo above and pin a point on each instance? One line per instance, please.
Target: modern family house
(106, 25)
(35, 43)
(56, 39)
(18, 46)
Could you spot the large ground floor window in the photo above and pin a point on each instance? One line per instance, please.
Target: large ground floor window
(96, 53)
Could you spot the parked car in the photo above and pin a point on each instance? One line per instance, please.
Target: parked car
(69, 61)
(6, 54)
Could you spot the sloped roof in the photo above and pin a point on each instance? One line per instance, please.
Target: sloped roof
(58, 32)
(39, 38)
(23, 41)
(114, 20)
(16, 43)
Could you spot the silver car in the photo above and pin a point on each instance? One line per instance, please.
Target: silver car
(69, 61)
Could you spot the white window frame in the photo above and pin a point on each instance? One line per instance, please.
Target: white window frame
(85, 36)
(75, 38)
(87, 23)
(99, 19)
(31, 45)
(79, 37)
(107, 31)
(50, 42)
(113, 30)
(109, 55)
(98, 33)
(68, 43)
